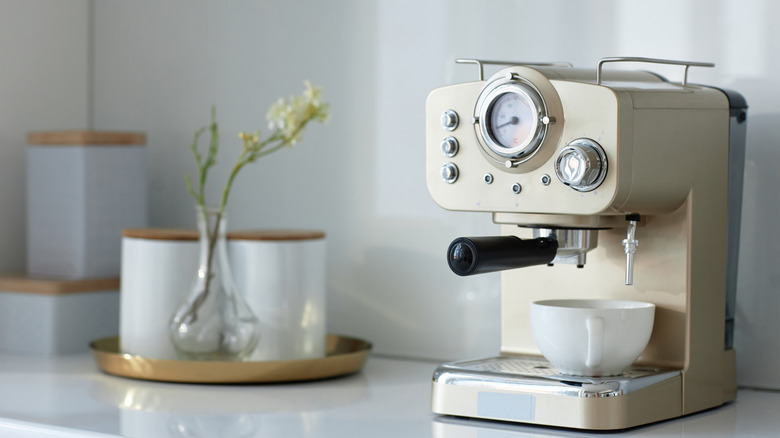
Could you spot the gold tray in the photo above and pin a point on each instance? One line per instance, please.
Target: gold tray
(344, 356)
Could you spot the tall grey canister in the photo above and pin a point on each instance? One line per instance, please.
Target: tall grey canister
(83, 188)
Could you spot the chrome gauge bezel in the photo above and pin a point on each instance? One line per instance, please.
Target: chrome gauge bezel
(524, 151)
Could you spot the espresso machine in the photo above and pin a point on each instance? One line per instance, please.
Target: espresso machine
(578, 166)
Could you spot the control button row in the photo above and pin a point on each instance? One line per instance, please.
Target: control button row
(450, 173)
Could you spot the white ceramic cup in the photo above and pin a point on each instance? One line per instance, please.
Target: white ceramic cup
(592, 337)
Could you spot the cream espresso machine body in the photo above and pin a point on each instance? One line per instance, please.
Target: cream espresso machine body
(593, 162)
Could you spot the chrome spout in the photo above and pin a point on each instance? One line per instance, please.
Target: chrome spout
(630, 243)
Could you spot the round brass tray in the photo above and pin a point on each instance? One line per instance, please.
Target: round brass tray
(344, 356)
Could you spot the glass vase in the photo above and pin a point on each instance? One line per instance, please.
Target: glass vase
(213, 321)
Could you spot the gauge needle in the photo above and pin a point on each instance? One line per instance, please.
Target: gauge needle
(512, 121)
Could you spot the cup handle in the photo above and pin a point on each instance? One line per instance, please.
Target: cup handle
(595, 326)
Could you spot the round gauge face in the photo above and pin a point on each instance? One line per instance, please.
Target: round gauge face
(512, 120)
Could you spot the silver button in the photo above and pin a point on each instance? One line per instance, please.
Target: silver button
(449, 146)
(449, 120)
(449, 173)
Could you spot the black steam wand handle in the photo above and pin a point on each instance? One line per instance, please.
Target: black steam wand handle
(478, 255)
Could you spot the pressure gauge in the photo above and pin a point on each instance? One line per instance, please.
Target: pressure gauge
(513, 122)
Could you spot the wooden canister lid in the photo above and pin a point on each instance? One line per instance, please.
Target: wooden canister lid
(276, 235)
(264, 235)
(160, 233)
(24, 283)
(86, 138)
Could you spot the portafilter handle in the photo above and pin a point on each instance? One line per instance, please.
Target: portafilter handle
(478, 255)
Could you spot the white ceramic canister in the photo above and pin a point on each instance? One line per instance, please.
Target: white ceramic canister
(281, 274)
(158, 266)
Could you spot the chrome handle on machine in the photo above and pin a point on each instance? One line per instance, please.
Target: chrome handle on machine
(481, 63)
(687, 65)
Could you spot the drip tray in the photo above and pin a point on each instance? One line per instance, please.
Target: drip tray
(537, 375)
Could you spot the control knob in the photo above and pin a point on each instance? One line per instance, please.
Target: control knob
(582, 165)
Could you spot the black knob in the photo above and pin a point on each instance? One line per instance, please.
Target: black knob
(478, 255)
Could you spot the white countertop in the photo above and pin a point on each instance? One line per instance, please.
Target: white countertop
(69, 397)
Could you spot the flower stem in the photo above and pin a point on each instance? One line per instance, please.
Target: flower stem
(212, 235)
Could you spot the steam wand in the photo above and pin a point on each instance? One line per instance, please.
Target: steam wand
(630, 243)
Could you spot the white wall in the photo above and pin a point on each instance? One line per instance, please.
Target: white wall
(360, 178)
(158, 66)
(43, 86)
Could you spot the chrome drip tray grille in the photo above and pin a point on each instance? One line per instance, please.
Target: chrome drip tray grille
(512, 365)
(537, 375)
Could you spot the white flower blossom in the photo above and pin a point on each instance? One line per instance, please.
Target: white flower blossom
(288, 118)
(286, 121)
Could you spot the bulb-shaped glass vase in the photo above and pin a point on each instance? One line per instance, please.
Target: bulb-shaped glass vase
(213, 321)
